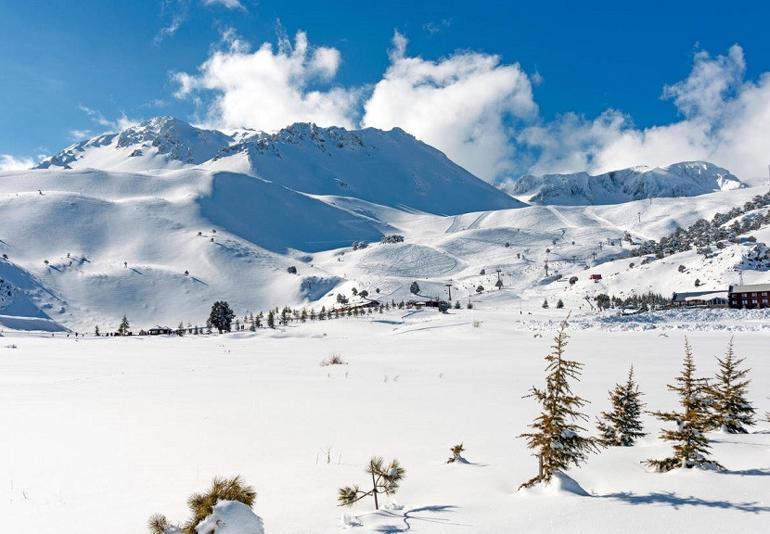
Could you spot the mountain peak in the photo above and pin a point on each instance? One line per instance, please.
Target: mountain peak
(156, 142)
(683, 179)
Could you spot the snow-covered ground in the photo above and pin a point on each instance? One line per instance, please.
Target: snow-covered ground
(99, 433)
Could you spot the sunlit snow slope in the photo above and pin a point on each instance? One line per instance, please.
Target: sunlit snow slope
(160, 220)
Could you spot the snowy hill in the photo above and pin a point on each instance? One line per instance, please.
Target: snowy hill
(265, 220)
(684, 179)
(390, 168)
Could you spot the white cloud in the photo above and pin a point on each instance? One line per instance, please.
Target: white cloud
(725, 120)
(175, 11)
(121, 123)
(229, 4)
(434, 27)
(12, 163)
(79, 135)
(481, 111)
(465, 105)
(272, 87)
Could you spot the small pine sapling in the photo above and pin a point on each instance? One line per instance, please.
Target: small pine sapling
(457, 454)
(555, 433)
(732, 410)
(622, 426)
(201, 505)
(385, 479)
(691, 446)
(159, 524)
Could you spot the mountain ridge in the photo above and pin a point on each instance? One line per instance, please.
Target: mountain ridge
(683, 179)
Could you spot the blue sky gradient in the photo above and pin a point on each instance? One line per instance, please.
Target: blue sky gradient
(59, 59)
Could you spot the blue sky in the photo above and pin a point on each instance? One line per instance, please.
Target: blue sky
(69, 69)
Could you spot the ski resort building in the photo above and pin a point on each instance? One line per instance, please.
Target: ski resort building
(159, 330)
(710, 299)
(750, 296)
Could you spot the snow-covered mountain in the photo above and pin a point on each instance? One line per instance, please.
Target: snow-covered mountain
(689, 178)
(174, 218)
(390, 168)
(158, 143)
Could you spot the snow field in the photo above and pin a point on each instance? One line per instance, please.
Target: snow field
(114, 430)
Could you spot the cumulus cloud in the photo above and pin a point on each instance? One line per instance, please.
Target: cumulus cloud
(272, 87)
(725, 119)
(466, 105)
(481, 111)
(12, 163)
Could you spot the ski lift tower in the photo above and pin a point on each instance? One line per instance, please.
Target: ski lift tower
(449, 288)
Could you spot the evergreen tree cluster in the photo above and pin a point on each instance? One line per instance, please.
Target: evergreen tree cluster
(644, 301)
(704, 234)
(555, 435)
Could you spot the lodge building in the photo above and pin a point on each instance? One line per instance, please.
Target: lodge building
(750, 296)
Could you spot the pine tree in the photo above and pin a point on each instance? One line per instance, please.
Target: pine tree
(221, 316)
(124, 327)
(385, 480)
(622, 426)
(691, 446)
(732, 411)
(559, 304)
(545, 303)
(555, 437)
(270, 319)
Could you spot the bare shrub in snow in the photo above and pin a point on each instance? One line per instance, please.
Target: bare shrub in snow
(385, 479)
(334, 358)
